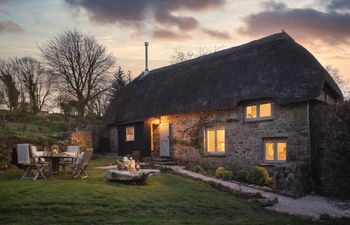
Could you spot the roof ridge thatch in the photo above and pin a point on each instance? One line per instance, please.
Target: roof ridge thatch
(221, 53)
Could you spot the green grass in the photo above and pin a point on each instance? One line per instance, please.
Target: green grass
(33, 128)
(166, 199)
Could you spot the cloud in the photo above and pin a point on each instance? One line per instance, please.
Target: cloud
(216, 34)
(303, 23)
(11, 27)
(168, 35)
(339, 4)
(136, 14)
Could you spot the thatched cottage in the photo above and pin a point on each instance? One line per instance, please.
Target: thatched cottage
(244, 106)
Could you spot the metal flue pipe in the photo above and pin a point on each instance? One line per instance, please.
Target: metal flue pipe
(146, 56)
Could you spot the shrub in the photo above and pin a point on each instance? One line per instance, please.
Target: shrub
(259, 175)
(227, 175)
(334, 145)
(219, 172)
(243, 175)
(198, 169)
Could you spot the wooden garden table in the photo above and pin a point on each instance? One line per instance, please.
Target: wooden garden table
(54, 161)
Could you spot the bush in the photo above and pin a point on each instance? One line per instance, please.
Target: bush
(243, 175)
(198, 169)
(227, 175)
(334, 150)
(219, 172)
(259, 175)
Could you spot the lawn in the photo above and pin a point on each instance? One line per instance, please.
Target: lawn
(166, 199)
(33, 128)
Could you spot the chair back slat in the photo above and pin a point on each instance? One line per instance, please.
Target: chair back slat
(23, 156)
(73, 149)
(87, 156)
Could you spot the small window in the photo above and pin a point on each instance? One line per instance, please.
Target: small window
(215, 140)
(275, 150)
(259, 111)
(130, 134)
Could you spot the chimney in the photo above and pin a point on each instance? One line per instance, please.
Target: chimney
(146, 56)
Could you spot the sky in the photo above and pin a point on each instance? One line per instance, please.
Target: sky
(122, 26)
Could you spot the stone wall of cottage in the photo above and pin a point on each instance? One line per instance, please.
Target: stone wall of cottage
(243, 140)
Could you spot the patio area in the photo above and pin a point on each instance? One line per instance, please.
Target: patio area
(166, 199)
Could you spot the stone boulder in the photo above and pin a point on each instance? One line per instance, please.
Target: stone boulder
(266, 202)
(127, 176)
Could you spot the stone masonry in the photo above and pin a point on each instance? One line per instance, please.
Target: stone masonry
(243, 140)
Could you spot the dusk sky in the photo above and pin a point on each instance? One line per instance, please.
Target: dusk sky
(322, 26)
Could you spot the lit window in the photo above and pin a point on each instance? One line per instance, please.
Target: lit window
(251, 112)
(130, 134)
(215, 143)
(275, 150)
(258, 111)
(265, 110)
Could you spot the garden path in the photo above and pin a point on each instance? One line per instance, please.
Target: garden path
(310, 205)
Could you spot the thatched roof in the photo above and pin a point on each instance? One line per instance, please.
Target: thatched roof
(274, 67)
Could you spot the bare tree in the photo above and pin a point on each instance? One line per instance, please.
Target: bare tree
(36, 80)
(98, 105)
(81, 63)
(180, 56)
(343, 84)
(10, 93)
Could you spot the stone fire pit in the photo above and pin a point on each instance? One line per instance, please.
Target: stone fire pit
(128, 176)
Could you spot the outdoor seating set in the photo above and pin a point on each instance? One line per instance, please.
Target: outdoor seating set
(34, 162)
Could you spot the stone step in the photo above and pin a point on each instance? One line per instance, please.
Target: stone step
(163, 159)
(167, 163)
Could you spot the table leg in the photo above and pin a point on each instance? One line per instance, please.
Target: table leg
(50, 168)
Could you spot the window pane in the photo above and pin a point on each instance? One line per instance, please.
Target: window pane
(211, 140)
(282, 151)
(220, 140)
(130, 135)
(269, 151)
(251, 112)
(265, 110)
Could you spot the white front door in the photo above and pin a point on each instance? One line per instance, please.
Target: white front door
(164, 140)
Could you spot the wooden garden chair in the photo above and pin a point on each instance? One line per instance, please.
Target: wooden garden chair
(34, 169)
(72, 151)
(79, 168)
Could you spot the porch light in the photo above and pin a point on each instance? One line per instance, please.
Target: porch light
(156, 121)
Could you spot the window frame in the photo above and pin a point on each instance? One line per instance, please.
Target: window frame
(275, 141)
(216, 152)
(258, 117)
(126, 134)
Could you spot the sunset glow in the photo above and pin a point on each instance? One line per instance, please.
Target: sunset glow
(323, 27)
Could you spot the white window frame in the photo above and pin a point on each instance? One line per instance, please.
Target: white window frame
(131, 135)
(258, 117)
(214, 128)
(275, 141)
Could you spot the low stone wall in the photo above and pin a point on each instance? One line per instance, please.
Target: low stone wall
(292, 179)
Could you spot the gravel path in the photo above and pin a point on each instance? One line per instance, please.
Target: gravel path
(310, 205)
